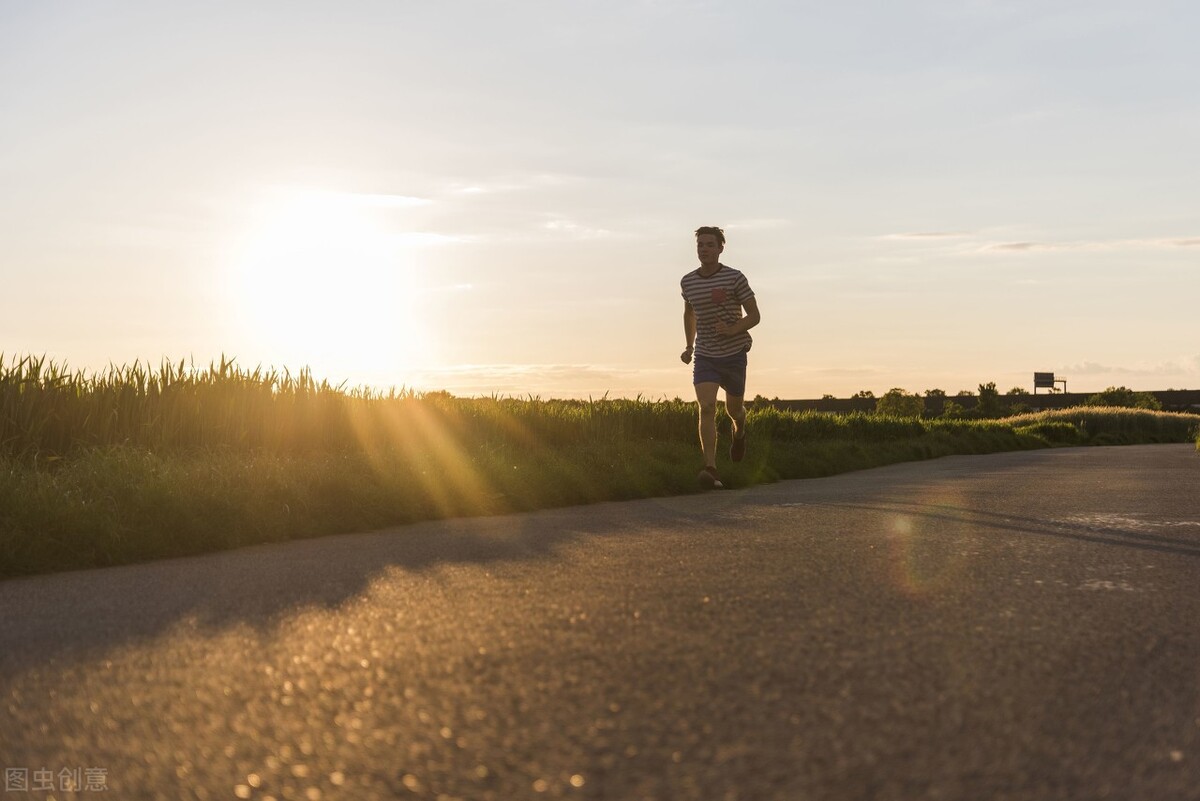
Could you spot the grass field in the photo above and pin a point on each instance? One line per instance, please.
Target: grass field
(135, 464)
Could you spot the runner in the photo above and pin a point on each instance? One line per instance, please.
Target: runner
(717, 333)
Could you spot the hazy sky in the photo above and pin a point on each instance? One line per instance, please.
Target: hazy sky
(498, 197)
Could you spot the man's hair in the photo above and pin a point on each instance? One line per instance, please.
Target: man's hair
(711, 229)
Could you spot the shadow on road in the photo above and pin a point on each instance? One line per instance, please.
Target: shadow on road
(259, 585)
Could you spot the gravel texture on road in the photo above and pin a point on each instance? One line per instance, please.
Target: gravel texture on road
(1012, 626)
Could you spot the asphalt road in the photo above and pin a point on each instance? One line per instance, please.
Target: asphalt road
(1015, 626)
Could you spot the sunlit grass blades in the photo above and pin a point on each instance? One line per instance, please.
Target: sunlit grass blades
(137, 463)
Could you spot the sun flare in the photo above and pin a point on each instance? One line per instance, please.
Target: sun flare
(322, 280)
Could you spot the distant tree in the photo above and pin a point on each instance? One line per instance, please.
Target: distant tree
(828, 397)
(935, 401)
(1123, 396)
(898, 403)
(863, 393)
(964, 393)
(1017, 391)
(989, 401)
(953, 410)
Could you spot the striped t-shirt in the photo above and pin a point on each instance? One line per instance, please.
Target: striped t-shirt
(718, 297)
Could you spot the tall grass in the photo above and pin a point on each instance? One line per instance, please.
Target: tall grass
(48, 413)
(133, 463)
(1109, 425)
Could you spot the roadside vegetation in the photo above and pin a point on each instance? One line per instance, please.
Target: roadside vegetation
(133, 464)
(988, 403)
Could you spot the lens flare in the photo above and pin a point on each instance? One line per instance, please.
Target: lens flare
(925, 545)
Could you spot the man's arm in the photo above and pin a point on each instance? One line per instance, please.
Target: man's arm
(689, 331)
(751, 319)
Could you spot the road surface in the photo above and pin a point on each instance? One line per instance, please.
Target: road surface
(1013, 626)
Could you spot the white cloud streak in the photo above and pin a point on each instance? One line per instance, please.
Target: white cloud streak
(1182, 366)
(573, 229)
(1097, 246)
(926, 236)
(508, 184)
(1033, 245)
(760, 224)
(550, 380)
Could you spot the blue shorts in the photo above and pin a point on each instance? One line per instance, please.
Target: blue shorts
(728, 371)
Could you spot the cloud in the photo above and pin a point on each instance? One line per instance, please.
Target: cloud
(507, 184)
(1094, 246)
(1187, 364)
(1088, 368)
(575, 230)
(757, 224)
(973, 242)
(482, 189)
(388, 201)
(429, 238)
(1019, 246)
(549, 380)
(519, 370)
(296, 196)
(926, 235)
(846, 372)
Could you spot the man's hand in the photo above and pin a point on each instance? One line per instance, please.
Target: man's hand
(686, 356)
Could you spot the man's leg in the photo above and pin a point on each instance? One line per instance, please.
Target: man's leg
(735, 393)
(736, 410)
(737, 415)
(706, 402)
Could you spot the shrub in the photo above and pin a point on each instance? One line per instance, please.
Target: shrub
(897, 403)
(989, 401)
(1117, 425)
(1124, 397)
(1055, 432)
(953, 411)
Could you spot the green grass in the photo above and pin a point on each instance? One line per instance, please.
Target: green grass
(1109, 425)
(133, 464)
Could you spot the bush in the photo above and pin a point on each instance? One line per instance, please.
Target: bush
(1126, 398)
(989, 401)
(1055, 432)
(953, 410)
(1117, 425)
(896, 403)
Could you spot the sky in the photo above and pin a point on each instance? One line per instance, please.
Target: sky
(499, 198)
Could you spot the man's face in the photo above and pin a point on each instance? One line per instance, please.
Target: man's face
(708, 248)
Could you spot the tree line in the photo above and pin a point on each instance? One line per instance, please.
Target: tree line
(989, 403)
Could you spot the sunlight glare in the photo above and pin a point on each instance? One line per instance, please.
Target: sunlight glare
(320, 280)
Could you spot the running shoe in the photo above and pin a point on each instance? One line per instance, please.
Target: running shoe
(709, 479)
(737, 449)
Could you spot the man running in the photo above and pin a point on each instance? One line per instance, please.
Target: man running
(714, 296)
